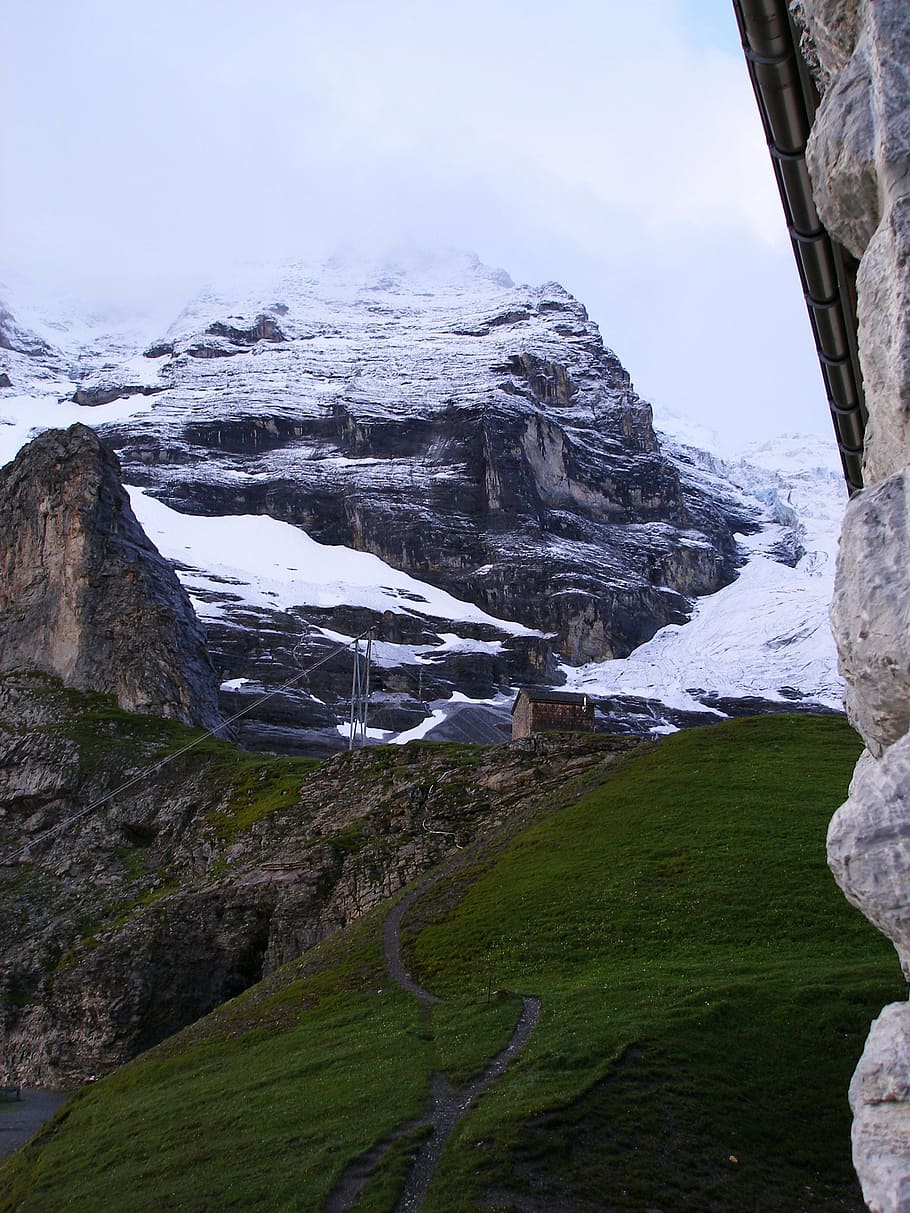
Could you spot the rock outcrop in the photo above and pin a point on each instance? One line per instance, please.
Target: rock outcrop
(479, 440)
(871, 612)
(84, 594)
(121, 926)
(879, 1094)
(859, 158)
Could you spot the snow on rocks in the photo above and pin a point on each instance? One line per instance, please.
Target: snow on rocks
(428, 444)
(267, 563)
(766, 635)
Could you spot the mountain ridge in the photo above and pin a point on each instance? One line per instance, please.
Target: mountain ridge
(475, 436)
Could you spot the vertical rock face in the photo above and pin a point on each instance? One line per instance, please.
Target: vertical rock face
(474, 434)
(881, 1089)
(871, 611)
(85, 595)
(859, 157)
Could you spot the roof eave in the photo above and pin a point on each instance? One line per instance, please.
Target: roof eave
(787, 101)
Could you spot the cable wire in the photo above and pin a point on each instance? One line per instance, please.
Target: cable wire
(11, 858)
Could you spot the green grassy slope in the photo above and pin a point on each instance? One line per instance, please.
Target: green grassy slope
(705, 990)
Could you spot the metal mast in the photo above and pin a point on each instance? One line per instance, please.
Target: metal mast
(360, 691)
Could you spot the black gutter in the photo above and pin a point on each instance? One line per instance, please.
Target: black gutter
(787, 101)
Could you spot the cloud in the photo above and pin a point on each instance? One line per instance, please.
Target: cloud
(149, 145)
(174, 130)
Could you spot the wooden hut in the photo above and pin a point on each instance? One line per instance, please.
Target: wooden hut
(536, 711)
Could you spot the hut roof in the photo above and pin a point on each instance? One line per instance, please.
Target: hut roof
(538, 695)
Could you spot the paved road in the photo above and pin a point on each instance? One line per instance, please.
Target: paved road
(21, 1119)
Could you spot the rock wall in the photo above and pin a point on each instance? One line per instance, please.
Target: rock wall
(474, 434)
(84, 594)
(859, 158)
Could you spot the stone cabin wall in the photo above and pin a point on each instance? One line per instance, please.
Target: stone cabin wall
(521, 718)
(561, 718)
(543, 717)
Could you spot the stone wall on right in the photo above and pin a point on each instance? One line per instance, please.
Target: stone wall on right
(859, 159)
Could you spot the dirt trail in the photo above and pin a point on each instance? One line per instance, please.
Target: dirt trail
(449, 1106)
(446, 1105)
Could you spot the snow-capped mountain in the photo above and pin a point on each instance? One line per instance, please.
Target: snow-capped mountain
(765, 638)
(426, 448)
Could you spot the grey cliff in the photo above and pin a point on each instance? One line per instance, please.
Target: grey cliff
(472, 433)
(84, 594)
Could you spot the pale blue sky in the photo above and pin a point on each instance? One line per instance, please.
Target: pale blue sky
(617, 151)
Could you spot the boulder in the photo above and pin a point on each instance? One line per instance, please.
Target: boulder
(880, 1099)
(870, 614)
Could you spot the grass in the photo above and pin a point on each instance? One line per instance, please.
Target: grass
(467, 1034)
(250, 786)
(256, 788)
(224, 1091)
(224, 790)
(704, 997)
(705, 988)
(109, 738)
(380, 1192)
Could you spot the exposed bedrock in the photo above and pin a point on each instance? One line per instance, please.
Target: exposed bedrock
(84, 594)
(512, 512)
(204, 876)
(834, 30)
(883, 286)
(474, 434)
(871, 611)
(879, 1097)
(859, 158)
(869, 844)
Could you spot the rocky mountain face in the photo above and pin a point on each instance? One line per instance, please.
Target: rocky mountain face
(474, 436)
(202, 875)
(763, 643)
(470, 433)
(84, 595)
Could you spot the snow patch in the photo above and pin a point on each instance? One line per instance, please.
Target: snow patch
(270, 564)
(444, 709)
(25, 417)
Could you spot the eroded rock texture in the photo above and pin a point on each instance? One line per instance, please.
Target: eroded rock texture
(84, 594)
(871, 611)
(474, 434)
(859, 156)
(879, 1096)
(869, 844)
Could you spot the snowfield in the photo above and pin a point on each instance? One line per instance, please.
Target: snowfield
(266, 563)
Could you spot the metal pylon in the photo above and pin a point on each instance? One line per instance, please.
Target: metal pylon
(360, 692)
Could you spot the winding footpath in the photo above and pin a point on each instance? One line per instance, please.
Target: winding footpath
(447, 1105)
